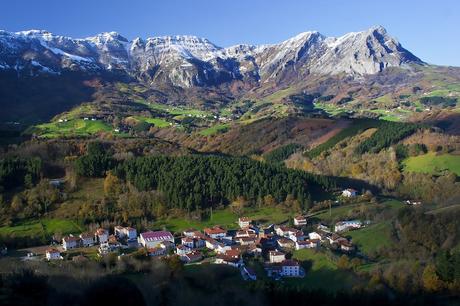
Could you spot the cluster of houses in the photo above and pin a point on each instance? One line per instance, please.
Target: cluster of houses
(274, 243)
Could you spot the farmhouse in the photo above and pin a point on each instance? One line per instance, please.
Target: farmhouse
(315, 235)
(153, 239)
(349, 193)
(244, 222)
(69, 242)
(276, 256)
(300, 221)
(52, 254)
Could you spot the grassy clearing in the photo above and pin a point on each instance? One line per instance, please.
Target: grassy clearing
(227, 219)
(323, 273)
(76, 127)
(373, 237)
(158, 122)
(432, 163)
(45, 227)
(218, 128)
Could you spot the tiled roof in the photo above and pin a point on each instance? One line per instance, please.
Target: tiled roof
(157, 236)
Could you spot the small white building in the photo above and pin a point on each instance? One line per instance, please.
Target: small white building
(349, 193)
(69, 242)
(244, 222)
(125, 232)
(276, 256)
(307, 244)
(300, 221)
(53, 254)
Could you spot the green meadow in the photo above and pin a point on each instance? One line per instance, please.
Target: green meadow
(433, 163)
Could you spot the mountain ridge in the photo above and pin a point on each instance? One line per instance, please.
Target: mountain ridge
(187, 61)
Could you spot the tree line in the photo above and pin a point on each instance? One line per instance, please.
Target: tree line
(191, 182)
(17, 172)
(387, 134)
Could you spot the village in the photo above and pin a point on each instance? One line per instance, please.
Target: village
(271, 244)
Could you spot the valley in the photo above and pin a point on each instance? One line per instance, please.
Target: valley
(318, 167)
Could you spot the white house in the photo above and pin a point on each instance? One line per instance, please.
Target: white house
(152, 239)
(347, 225)
(188, 242)
(276, 256)
(307, 244)
(230, 257)
(102, 235)
(69, 242)
(300, 221)
(191, 232)
(52, 254)
(349, 193)
(86, 239)
(314, 236)
(244, 222)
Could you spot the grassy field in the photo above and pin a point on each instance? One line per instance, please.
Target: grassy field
(432, 163)
(76, 127)
(323, 273)
(158, 122)
(218, 128)
(373, 237)
(227, 219)
(45, 227)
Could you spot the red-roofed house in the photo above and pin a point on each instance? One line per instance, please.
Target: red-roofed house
(215, 232)
(244, 222)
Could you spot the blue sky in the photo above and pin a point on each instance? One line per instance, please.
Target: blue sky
(428, 28)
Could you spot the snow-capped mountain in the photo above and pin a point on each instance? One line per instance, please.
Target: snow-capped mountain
(188, 61)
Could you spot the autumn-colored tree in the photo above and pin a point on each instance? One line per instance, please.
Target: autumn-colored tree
(112, 185)
(431, 280)
(343, 262)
